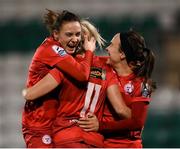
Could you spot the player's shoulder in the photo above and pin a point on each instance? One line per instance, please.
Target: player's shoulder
(46, 43)
(135, 86)
(137, 90)
(50, 42)
(137, 81)
(142, 89)
(49, 45)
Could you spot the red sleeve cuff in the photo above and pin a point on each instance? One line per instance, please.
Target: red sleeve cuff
(57, 75)
(141, 99)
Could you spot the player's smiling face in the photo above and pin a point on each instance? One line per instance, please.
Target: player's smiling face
(69, 36)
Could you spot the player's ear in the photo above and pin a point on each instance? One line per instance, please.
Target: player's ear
(55, 34)
(122, 55)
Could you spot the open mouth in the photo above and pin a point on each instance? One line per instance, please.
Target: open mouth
(71, 46)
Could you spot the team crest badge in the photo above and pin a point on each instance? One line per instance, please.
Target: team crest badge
(59, 50)
(128, 88)
(46, 139)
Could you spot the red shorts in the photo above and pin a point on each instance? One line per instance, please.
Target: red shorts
(67, 136)
(74, 136)
(125, 143)
(74, 145)
(38, 139)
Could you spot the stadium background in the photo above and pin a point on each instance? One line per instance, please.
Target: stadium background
(21, 31)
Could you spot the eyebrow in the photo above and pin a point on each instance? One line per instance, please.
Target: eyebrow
(68, 32)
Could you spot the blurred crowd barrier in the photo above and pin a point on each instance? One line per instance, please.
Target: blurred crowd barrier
(20, 39)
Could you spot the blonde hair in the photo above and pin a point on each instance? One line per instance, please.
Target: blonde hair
(89, 27)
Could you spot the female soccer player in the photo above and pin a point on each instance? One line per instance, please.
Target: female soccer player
(133, 63)
(55, 51)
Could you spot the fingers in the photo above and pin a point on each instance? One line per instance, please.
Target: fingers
(90, 115)
(24, 92)
(89, 129)
(89, 38)
(83, 122)
(85, 38)
(89, 122)
(92, 39)
(87, 126)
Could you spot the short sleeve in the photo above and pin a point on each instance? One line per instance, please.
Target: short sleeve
(53, 54)
(141, 99)
(57, 75)
(132, 99)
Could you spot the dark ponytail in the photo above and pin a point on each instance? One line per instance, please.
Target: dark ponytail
(142, 58)
(149, 59)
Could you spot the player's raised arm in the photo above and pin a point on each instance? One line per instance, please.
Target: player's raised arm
(79, 70)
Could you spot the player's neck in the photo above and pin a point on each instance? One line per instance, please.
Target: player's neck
(122, 69)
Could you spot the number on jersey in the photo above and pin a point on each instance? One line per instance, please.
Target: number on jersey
(92, 87)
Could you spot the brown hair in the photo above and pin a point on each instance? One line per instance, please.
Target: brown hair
(133, 45)
(54, 20)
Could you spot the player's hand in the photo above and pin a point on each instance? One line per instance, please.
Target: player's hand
(89, 43)
(89, 123)
(24, 93)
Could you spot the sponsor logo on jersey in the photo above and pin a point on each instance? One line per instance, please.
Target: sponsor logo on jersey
(59, 50)
(46, 139)
(128, 88)
(98, 73)
(145, 90)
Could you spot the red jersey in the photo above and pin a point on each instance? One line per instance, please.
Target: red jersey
(38, 114)
(76, 100)
(123, 132)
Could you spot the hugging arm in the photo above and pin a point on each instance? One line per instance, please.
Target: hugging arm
(44, 86)
(117, 101)
(79, 70)
(136, 122)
